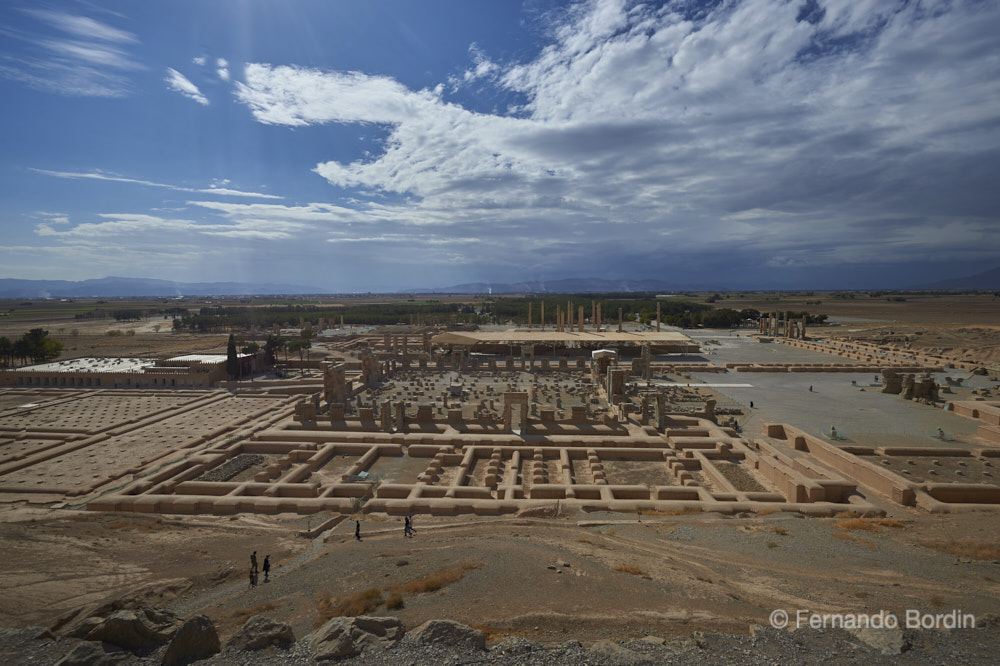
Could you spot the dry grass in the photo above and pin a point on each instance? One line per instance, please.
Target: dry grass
(889, 522)
(436, 579)
(936, 601)
(394, 602)
(772, 544)
(858, 524)
(979, 550)
(351, 605)
(624, 568)
(780, 531)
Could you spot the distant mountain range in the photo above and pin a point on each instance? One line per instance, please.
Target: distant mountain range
(569, 286)
(119, 287)
(986, 280)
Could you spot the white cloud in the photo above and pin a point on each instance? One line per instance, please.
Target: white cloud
(222, 69)
(90, 63)
(179, 83)
(735, 126)
(299, 96)
(214, 189)
(199, 60)
(143, 228)
(83, 26)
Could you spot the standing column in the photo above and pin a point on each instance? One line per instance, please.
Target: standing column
(579, 322)
(598, 322)
(542, 322)
(593, 313)
(619, 320)
(657, 316)
(569, 315)
(529, 313)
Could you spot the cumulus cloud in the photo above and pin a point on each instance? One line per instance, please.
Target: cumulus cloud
(199, 60)
(222, 69)
(755, 126)
(179, 83)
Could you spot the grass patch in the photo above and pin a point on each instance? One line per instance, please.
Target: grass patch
(772, 544)
(780, 531)
(978, 550)
(634, 571)
(394, 602)
(436, 579)
(858, 524)
(351, 605)
(936, 601)
(889, 522)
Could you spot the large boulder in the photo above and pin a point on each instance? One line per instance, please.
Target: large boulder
(260, 632)
(448, 633)
(196, 639)
(345, 636)
(136, 630)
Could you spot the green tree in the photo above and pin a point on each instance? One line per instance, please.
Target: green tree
(6, 352)
(232, 360)
(271, 345)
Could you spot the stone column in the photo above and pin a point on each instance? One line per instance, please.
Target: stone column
(598, 322)
(542, 320)
(569, 315)
(657, 316)
(529, 313)
(579, 317)
(620, 320)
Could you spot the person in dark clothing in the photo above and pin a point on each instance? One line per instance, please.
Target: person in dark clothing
(267, 567)
(357, 530)
(253, 562)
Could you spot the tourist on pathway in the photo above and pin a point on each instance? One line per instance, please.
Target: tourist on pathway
(267, 566)
(253, 562)
(253, 578)
(357, 530)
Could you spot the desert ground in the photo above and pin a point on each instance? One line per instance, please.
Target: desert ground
(557, 573)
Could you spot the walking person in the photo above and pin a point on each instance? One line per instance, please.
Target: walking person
(357, 530)
(267, 567)
(253, 561)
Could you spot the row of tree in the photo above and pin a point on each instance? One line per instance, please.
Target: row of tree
(299, 344)
(34, 346)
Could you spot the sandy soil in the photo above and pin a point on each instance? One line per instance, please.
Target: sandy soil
(585, 577)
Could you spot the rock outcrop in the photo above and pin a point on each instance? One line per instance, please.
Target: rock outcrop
(136, 630)
(260, 632)
(448, 633)
(345, 636)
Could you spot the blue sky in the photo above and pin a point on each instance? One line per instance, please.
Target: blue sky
(357, 146)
